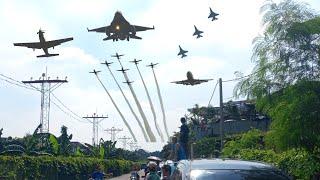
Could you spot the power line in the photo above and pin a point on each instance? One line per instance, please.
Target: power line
(16, 84)
(66, 106)
(70, 115)
(213, 93)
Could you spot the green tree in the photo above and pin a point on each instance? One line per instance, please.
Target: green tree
(252, 139)
(64, 141)
(284, 54)
(295, 116)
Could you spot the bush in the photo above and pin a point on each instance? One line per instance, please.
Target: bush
(27, 167)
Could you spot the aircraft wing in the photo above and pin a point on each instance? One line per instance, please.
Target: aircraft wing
(198, 81)
(185, 82)
(33, 45)
(182, 52)
(57, 42)
(103, 29)
(141, 28)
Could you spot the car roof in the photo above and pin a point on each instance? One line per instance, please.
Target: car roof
(221, 164)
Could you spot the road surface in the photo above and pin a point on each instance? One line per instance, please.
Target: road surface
(125, 177)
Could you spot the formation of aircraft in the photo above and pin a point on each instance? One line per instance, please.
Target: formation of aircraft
(197, 32)
(191, 81)
(213, 15)
(43, 44)
(182, 52)
(120, 28)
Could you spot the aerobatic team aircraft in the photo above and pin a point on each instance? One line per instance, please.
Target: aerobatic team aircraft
(120, 28)
(197, 32)
(191, 81)
(43, 44)
(182, 52)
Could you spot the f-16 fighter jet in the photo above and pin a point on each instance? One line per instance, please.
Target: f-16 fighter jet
(182, 52)
(197, 32)
(213, 15)
(120, 28)
(43, 44)
(191, 81)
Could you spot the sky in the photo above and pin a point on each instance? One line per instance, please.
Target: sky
(226, 47)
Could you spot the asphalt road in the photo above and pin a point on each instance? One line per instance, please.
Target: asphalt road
(125, 177)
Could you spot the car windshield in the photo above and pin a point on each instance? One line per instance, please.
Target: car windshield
(237, 175)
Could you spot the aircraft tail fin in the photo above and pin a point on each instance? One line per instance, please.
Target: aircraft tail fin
(47, 55)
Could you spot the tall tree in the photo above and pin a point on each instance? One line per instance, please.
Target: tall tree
(64, 141)
(282, 56)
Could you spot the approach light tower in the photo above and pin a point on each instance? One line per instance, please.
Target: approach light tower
(124, 141)
(113, 131)
(95, 123)
(47, 86)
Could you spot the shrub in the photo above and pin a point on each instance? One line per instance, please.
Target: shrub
(45, 167)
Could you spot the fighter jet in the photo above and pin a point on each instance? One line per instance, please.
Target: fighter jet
(128, 82)
(117, 56)
(95, 72)
(152, 65)
(43, 44)
(213, 15)
(197, 32)
(191, 81)
(123, 70)
(135, 61)
(107, 63)
(182, 52)
(120, 28)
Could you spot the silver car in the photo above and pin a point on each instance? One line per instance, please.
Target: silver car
(226, 169)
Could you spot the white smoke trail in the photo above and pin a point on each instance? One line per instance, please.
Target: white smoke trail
(130, 107)
(115, 105)
(146, 124)
(161, 103)
(151, 106)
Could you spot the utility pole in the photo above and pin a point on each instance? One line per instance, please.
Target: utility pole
(221, 115)
(124, 141)
(113, 131)
(95, 123)
(46, 88)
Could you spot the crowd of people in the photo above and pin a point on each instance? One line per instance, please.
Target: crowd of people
(178, 151)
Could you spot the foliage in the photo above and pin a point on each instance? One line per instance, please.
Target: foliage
(250, 140)
(206, 147)
(295, 116)
(282, 56)
(299, 163)
(64, 141)
(44, 167)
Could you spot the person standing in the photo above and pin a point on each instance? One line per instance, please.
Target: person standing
(152, 175)
(177, 152)
(184, 135)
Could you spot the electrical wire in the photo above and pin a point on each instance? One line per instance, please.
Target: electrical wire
(66, 106)
(79, 120)
(214, 90)
(16, 84)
